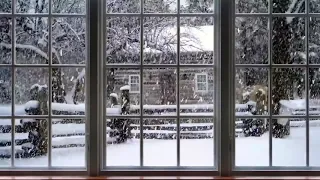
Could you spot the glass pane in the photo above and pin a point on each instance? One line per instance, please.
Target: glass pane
(31, 91)
(252, 6)
(289, 151)
(6, 40)
(32, 40)
(68, 142)
(196, 40)
(119, 131)
(5, 6)
(288, 40)
(5, 142)
(69, 41)
(32, 7)
(251, 151)
(123, 6)
(160, 40)
(119, 93)
(288, 90)
(196, 6)
(159, 91)
(314, 143)
(159, 142)
(314, 44)
(31, 143)
(123, 40)
(196, 142)
(160, 6)
(193, 102)
(5, 91)
(314, 109)
(251, 40)
(68, 91)
(69, 6)
(251, 91)
(288, 6)
(314, 6)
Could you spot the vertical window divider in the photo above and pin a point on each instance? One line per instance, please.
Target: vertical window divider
(92, 89)
(217, 84)
(141, 82)
(50, 86)
(226, 103)
(270, 79)
(178, 82)
(103, 144)
(307, 2)
(13, 62)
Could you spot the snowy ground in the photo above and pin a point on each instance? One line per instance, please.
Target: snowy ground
(251, 151)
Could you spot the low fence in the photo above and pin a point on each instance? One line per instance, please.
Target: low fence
(71, 132)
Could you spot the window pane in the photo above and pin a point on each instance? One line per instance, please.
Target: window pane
(196, 6)
(5, 6)
(5, 91)
(123, 40)
(69, 6)
(288, 40)
(159, 91)
(196, 40)
(123, 6)
(160, 40)
(32, 7)
(288, 84)
(68, 91)
(31, 91)
(32, 40)
(68, 142)
(288, 6)
(252, 6)
(191, 101)
(117, 83)
(5, 39)
(31, 142)
(69, 41)
(124, 154)
(5, 142)
(314, 111)
(251, 40)
(160, 6)
(314, 43)
(314, 6)
(159, 142)
(251, 91)
(196, 142)
(283, 151)
(250, 151)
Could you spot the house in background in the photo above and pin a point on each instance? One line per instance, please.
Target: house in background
(160, 84)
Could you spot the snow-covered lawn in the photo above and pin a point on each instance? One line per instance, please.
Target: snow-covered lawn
(250, 151)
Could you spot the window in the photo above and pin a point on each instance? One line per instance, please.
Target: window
(228, 87)
(134, 83)
(201, 82)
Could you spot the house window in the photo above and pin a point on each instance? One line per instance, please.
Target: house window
(134, 82)
(201, 82)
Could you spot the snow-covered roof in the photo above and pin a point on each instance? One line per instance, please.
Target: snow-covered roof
(192, 39)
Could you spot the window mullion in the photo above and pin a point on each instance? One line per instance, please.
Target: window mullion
(92, 89)
(226, 119)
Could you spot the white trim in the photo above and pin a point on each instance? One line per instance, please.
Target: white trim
(130, 83)
(206, 82)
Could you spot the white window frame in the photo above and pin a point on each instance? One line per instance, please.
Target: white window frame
(133, 83)
(95, 112)
(206, 82)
